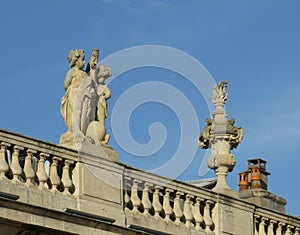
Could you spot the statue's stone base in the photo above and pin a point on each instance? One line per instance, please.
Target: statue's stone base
(104, 151)
(68, 140)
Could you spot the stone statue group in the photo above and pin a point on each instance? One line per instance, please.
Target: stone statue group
(84, 106)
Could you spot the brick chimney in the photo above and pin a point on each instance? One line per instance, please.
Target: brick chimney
(253, 185)
(258, 173)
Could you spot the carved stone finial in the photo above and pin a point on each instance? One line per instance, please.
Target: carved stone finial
(221, 136)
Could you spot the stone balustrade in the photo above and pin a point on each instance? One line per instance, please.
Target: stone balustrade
(35, 163)
(56, 178)
(169, 201)
(270, 223)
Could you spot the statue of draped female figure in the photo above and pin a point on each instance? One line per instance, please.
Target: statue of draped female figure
(84, 105)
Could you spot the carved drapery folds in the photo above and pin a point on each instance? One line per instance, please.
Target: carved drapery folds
(221, 136)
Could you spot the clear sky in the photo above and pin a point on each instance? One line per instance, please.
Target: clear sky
(252, 44)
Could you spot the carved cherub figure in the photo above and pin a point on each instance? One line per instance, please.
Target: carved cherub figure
(103, 92)
(97, 128)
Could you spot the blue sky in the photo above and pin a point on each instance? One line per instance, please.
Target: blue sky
(254, 45)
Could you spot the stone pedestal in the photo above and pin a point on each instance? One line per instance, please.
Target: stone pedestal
(103, 151)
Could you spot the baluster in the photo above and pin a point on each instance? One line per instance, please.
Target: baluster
(145, 198)
(28, 169)
(289, 230)
(207, 217)
(66, 179)
(262, 226)
(54, 178)
(256, 224)
(3, 164)
(15, 165)
(156, 203)
(127, 187)
(279, 228)
(271, 227)
(136, 201)
(41, 172)
(187, 211)
(297, 231)
(177, 209)
(166, 204)
(197, 214)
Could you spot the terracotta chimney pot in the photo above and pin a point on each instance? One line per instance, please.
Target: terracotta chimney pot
(243, 181)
